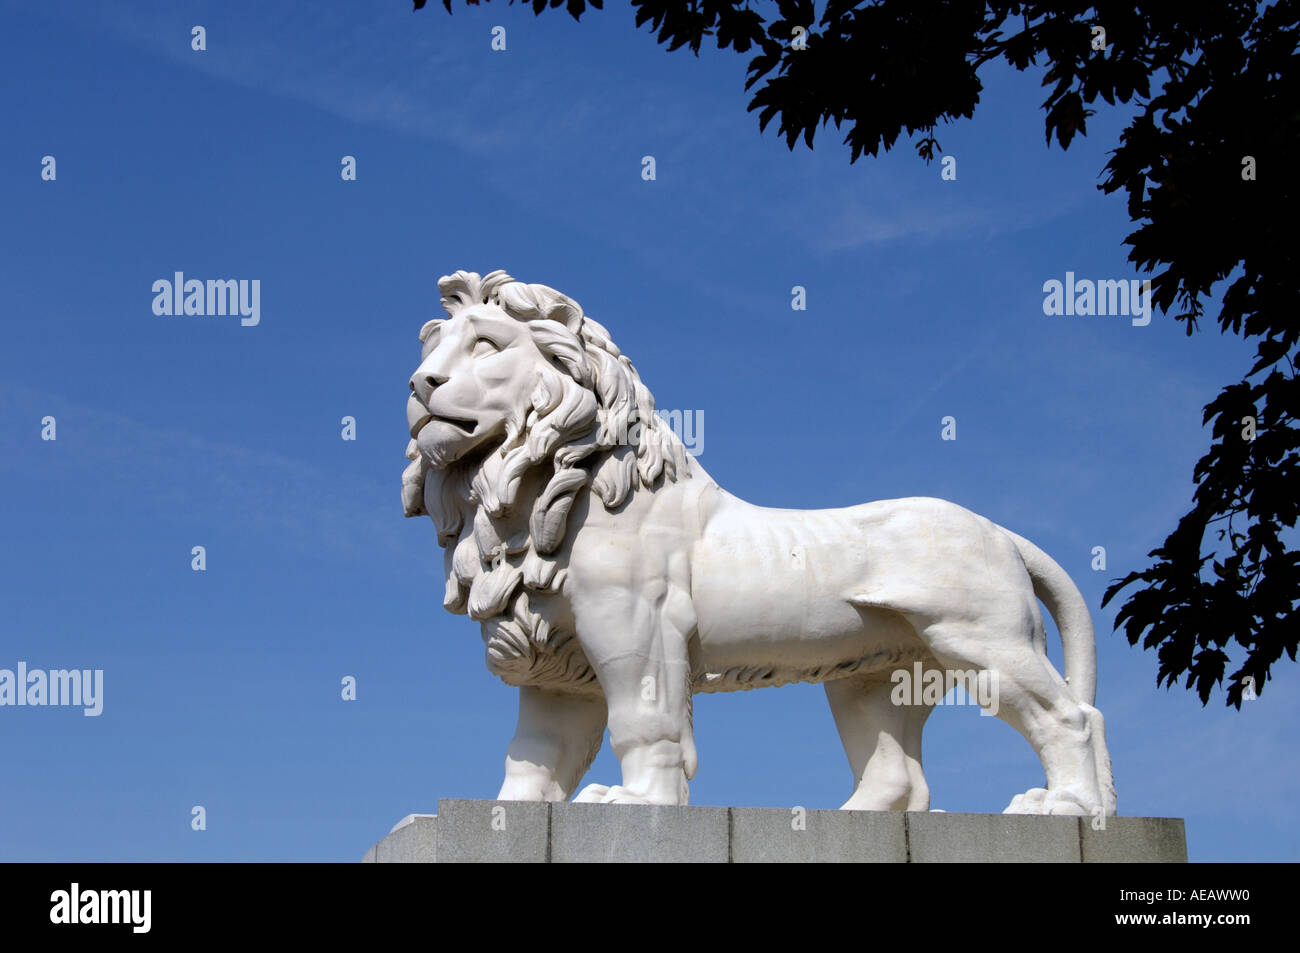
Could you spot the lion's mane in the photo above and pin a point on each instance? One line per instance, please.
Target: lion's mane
(503, 516)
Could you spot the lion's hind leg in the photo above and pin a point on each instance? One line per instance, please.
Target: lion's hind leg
(883, 743)
(1028, 695)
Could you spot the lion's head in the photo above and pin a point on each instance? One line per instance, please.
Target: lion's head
(520, 403)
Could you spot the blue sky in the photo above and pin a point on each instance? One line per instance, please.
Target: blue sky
(222, 688)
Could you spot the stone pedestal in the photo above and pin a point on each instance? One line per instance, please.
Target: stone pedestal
(524, 832)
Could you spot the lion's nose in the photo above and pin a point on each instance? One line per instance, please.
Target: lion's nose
(423, 384)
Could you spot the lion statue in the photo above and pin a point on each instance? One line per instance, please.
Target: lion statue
(612, 578)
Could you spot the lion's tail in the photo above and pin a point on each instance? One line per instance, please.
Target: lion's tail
(1065, 602)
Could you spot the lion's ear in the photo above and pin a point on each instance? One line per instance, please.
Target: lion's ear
(540, 302)
(518, 300)
(557, 306)
(565, 348)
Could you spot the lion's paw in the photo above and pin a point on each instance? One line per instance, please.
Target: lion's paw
(592, 794)
(1031, 802)
(1044, 801)
(602, 794)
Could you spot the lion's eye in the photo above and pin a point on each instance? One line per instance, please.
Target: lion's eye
(483, 347)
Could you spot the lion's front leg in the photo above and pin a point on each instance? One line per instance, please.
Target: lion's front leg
(646, 676)
(650, 732)
(555, 741)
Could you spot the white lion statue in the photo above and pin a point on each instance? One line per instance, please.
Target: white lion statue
(612, 578)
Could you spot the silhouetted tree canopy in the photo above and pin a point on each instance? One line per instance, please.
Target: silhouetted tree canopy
(1207, 165)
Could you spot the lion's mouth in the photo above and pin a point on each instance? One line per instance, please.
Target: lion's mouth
(463, 424)
(460, 423)
(418, 415)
